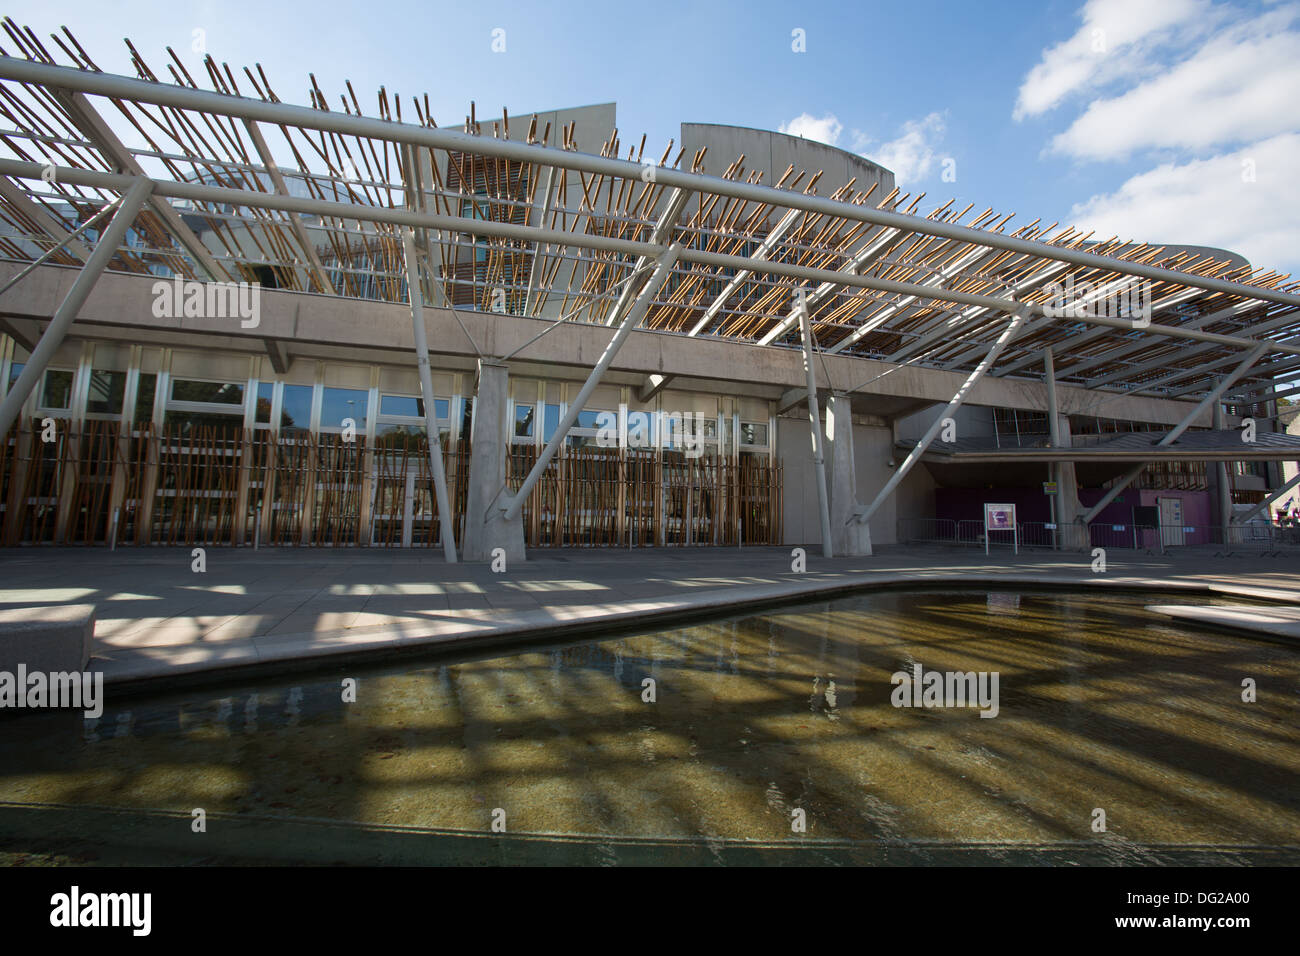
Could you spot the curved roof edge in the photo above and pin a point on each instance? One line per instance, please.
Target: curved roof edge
(847, 154)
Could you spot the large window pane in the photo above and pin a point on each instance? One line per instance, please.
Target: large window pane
(106, 392)
(550, 421)
(524, 421)
(398, 436)
(401, 405)
(341, 403)
(265, 390)
(466, 418)
(190, 423)
(58, 389)
(224, 393)
(295, 408)
(590, 418)
(144, 394)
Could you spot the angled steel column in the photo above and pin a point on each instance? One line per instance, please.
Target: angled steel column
(933, 431)
(67, 311)
(446, 532)
(814, 422)
(295, 222)
(68, 240)
(1245, 516)
(512, 505)
(1224, 384)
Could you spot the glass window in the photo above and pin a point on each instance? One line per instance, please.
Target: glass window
(106, 392)
(15, 370)
(341, 403)
(466, 418)
(295, 407)
(550, 421)
(144, 394)
(188, 423)
(524, 421)
(399, 436)
(58, 389)
(264, 393)
(590, 418)
(222, 393)
(752, 433)
(401, 405)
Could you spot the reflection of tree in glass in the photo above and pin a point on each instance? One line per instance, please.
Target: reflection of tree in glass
(466, 418)
(402, 437)
(524, 426)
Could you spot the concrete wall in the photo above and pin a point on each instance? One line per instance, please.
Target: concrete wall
(872, 447)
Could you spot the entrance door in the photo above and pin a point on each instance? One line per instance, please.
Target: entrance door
(1171, 521)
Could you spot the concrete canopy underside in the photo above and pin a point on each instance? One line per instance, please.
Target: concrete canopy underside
(310, 325)
(1225, 445)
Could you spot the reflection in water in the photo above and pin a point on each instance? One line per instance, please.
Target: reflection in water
(755, 718)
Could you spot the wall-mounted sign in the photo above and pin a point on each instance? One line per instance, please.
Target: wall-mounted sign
(1050, 488)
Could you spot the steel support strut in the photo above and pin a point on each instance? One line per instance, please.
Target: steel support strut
(933, 432)
(1224, 384)
(67, 311)
(512, 505)
(426, 391)
(814, 422)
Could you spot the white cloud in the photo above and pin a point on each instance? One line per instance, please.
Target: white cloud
(912, 154)
(1241, 86)
(826, 130)
(1211, 202)
(1117, 39)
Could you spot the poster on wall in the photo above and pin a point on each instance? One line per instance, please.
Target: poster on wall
(1000, 517)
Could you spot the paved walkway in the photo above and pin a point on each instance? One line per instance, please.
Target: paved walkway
(157, 617)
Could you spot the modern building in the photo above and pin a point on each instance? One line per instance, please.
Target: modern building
(629, 337)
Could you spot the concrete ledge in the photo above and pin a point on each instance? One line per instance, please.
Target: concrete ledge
(47, 638)
(141, 669)
(1274, 621)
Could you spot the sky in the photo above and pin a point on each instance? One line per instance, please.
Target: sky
(1163, 121)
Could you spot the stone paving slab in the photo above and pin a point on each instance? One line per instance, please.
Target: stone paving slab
(156, 617)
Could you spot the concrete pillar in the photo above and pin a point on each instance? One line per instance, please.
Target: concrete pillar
(1067, 489)
(848, 535)
(486, 527)
(1219, 481)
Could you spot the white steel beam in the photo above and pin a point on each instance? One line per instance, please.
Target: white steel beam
(1013, 327)
(416, 295)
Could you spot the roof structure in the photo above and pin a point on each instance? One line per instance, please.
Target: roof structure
(575, 235)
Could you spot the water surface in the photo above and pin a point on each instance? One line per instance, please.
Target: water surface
(1102, 706)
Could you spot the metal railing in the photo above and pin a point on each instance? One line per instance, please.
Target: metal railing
(1253, 538)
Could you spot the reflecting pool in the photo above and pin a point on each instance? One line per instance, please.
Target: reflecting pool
(1102, 706)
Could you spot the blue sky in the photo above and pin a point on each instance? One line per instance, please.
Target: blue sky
(1158, 120)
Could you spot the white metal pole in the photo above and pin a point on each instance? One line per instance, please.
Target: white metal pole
(426, 391)
(514, 503)
(815, 423)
